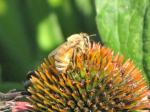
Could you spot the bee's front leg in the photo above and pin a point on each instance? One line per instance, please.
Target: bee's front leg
(73, 62)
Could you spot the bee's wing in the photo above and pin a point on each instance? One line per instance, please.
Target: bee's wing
(59, 51)
(55, 51)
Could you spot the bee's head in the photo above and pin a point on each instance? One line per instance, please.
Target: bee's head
(85, 37)
(80, 41)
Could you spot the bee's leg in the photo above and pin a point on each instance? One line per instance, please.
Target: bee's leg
(74, 59)
(61, 70)
(61, 67)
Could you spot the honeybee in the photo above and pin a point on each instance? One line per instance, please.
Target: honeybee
(66, 52)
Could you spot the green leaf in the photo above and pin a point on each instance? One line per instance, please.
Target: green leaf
(146, 42)
(121, 25)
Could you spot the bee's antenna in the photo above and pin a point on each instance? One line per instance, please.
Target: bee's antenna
(92, 35)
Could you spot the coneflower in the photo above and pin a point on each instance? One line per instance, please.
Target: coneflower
(98, 81)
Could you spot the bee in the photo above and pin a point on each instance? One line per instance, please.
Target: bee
(66, 52)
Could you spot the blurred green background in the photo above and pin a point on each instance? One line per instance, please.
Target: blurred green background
(30, 29)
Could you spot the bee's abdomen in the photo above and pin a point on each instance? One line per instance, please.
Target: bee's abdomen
(62, 60)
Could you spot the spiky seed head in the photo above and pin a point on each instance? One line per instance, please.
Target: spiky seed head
(99, 81)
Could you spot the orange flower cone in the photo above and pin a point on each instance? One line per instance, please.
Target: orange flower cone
(97, 81)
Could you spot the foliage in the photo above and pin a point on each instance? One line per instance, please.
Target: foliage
(124, 25)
